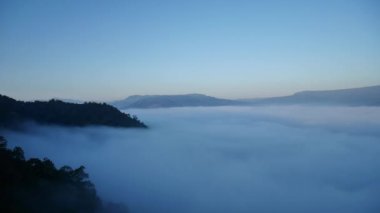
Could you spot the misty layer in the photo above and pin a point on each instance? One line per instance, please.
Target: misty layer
(227, 159)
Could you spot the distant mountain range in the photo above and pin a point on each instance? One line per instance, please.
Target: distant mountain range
(163, 101)
(364, 96)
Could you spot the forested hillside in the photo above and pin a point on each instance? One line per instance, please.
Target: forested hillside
(57, 112)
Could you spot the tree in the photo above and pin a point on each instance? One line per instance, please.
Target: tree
(3, 142)
(38, 186)
(18, 153)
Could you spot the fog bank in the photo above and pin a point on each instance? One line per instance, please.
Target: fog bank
(227, 159)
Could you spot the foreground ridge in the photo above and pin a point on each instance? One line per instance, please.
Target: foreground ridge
(56, 112)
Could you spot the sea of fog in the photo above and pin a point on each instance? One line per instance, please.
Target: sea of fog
(227, 159)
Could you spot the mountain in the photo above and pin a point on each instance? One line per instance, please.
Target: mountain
(163, 101)
(13, 112)
(364, 96)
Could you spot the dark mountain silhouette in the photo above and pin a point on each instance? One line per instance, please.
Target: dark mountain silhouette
(364, 96)
(36, 185)
(162, 101)
(57, 112)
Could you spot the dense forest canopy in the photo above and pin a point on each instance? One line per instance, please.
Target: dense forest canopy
(36, 185)
(13, 112)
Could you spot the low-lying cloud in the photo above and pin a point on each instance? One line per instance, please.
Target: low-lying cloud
(227, 159)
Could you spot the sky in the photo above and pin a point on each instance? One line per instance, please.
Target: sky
(107, 50)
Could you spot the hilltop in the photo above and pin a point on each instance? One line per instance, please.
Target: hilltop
(56, 112)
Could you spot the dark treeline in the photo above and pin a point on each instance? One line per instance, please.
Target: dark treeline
(57, 112)
(36, 185)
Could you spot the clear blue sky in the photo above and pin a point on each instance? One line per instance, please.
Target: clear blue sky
(104, 50)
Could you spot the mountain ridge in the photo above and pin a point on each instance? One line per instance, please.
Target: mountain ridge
(56, 112)
(361, 96)
(164, 101)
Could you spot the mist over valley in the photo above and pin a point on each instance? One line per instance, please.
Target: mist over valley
(226, 159)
